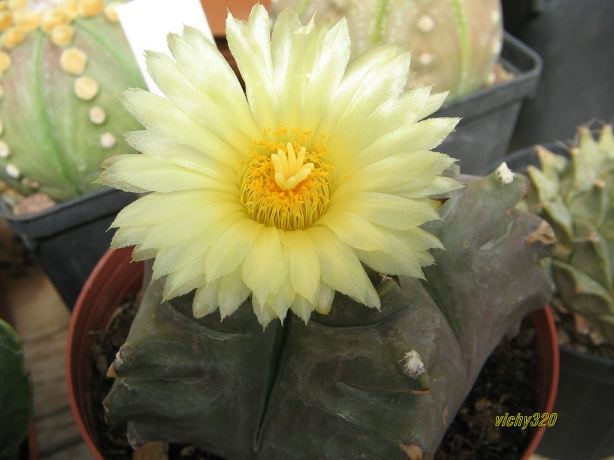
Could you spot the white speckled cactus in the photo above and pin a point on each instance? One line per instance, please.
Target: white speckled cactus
(61, 67)
(455, 43)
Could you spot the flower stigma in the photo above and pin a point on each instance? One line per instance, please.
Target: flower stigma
(286, 181)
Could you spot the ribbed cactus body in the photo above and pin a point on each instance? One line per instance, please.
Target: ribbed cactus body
(357, 383)
(577, 197)
(455, 44)
(60, 117)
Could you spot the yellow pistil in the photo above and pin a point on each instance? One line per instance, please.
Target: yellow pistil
(283, 189)
(289, 168)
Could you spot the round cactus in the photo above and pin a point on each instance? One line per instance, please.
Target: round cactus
(576, 197)
(455, 43)
(61, 67)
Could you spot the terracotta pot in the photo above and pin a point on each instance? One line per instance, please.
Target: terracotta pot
(114, 277)
(548, 370)
(216, 12)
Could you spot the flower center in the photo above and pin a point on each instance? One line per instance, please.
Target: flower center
(285, 181)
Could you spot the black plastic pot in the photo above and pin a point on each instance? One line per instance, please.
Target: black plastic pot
(489, 116)
(585, 408)
(68, 240)
(575, 40)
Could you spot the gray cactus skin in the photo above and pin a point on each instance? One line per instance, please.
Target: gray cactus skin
(338, 387)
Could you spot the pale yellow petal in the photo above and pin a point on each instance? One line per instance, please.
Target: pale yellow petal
(232, 293)
(200, 62)
(340, 268)
(387, 210)
(303, 265)
(162, 117)
(250, 44)
(230, 249)
(138, 173)
(354, 230)
(265, 265)
(164, 149)
(205, 299)
(196, 104)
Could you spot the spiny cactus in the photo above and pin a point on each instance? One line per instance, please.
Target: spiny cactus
(357, 383)
(61, 67)
(576, 197)
(15, 394)
(455, 43)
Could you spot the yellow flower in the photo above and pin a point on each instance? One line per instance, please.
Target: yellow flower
(280, 193)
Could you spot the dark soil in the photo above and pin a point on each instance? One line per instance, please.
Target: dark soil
(506, 385)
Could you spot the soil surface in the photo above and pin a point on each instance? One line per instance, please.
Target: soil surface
(506, 385)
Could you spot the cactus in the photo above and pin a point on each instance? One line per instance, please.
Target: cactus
(357, 383)
(15, 394)
(60, 70)
(455, 44)
(576, 197)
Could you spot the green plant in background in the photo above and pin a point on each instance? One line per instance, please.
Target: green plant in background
(61, 67)
(300, 303)
(16, 399)
(455, 44)
(576, 196)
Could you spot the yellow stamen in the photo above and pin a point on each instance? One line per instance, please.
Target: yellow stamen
(284, 189)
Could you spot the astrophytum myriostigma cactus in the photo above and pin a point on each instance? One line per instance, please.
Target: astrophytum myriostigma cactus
(61, 67)
(455, 44)
(576, 197)
(357, 383)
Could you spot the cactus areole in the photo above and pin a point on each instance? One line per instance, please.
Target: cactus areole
(61, 67)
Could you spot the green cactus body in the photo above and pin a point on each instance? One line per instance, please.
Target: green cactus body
(455, 44)
(576, 197)
(357, 383)
(60, 117)
(15, 394)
